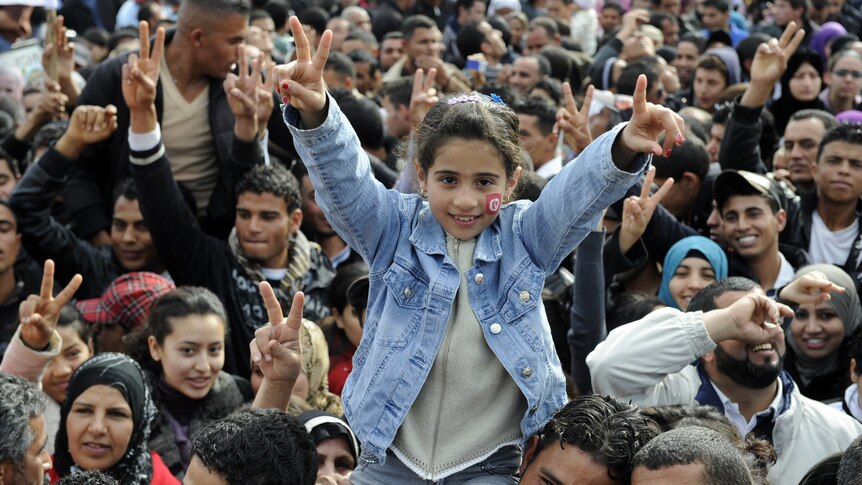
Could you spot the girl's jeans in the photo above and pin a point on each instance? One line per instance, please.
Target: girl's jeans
(501, 468)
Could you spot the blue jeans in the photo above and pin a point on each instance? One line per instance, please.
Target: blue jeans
(501, 468)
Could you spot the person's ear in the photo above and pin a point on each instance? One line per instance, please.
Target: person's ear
(349, 83)
(690, 180)
(197, 37)
(295, 221)
(781, 219)
(854, 376)
(827, 78)
(155, 348)
(6, 470)
(420, 175)
(529, 453)
(708, 357)
(512, 183)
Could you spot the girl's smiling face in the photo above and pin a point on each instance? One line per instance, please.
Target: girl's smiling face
(463, 175)
(74, 352)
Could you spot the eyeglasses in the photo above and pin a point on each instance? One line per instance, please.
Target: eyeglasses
(847, 72)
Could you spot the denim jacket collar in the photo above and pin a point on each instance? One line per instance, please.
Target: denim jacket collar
(429, 237)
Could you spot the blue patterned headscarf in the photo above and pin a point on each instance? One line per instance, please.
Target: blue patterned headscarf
(711, 251)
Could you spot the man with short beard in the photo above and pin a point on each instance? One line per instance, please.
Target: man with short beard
(738, 350)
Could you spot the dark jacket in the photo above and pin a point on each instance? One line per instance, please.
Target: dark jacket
(90, 189)
(228, 394)
(45, 238)
(196, 259)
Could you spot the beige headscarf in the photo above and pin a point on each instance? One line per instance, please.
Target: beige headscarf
(315, 366)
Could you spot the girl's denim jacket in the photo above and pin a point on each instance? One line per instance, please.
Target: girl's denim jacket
(413, 281)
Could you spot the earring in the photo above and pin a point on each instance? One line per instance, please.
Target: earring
(424, 193)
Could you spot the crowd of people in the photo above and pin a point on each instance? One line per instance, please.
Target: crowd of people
(431, 241)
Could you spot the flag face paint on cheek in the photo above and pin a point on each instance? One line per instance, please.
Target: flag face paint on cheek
(493, 203)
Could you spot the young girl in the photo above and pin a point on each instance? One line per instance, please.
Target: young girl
(344, 327)
(456, 367)
(182, 351)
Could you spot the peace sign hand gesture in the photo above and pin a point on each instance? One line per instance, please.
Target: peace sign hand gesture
(648, 121)
(141, 71)
(249, 96)
(423, 97)
(276, 347)
(575, 123)
(637, 211)
(300, 83)
(39, 313)
(770, 60)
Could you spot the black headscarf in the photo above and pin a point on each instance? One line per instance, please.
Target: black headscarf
(124, 374)
(784, 107)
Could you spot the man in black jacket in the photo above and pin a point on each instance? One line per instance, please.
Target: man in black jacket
(264, 245)
(211, 143)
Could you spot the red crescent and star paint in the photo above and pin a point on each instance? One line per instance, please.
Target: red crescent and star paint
(493, 203)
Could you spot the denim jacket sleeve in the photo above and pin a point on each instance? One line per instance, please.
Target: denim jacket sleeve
(360, 209)
(572, 202)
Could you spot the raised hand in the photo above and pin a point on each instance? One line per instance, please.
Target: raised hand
(89, 124)
(65, 52)
(769, 64)
(248, 95)
(648, 121)
(276, 347)
(300, 83)
(575, 123)
(813, 287)
(637, 211)
(39, 313)
(632, 21)
(141, 71)
(751, 319)
(423, 97)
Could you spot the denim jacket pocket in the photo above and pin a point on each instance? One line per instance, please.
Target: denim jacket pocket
(521, 298)
(408, 290)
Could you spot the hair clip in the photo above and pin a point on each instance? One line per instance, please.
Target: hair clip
(474, 98)
(464, 98)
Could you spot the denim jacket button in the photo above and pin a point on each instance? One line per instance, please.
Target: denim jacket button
(527, 372)
(524, 296)
(479, 278)
(496, 328)
(407, 292)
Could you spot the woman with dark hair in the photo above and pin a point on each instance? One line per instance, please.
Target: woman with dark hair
(182, 350)
(800, 87)
(105, 424)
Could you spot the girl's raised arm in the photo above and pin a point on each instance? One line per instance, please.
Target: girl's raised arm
(300, 83)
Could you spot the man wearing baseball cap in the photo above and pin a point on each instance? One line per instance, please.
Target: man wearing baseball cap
(753, 216)
(123, 308)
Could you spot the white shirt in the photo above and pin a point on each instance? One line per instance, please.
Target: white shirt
(731, 410)
(831, 247)
(551, 167)
(274, 274)
(851, 397)
(785, 274)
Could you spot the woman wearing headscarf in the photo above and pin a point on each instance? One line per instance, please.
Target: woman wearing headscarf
(820, 334)
(820, 40)
(690, 265)
(105, 424)
(800, 87)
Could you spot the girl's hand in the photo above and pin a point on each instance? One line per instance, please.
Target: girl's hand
(637, 211)
(276, 348)
(39, 313)
(811, 287)
(647, 123)
(300, 83)
(141, 71)
(575, 123)
(423, 97)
